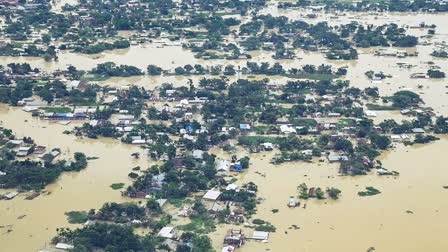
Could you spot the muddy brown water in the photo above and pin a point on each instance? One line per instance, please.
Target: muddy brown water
(350, 224)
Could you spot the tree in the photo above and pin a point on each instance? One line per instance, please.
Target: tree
(403, 99)
(179, 71)
(382, 142)
(46, 95)
(229, 70)
(46, 38)
(183, 248)
(244, 162)
(437, 74)
(154, 70)
(154, 206)
(343, 145)
(201, 244)
(319, 193)
(333, 192)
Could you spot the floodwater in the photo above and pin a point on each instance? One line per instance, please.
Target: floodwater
(83, 190)
(351, 223)
(355, 223)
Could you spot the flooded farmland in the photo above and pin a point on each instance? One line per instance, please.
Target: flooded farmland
(409, 215)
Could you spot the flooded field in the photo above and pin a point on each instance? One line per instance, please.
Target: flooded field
(410, 214)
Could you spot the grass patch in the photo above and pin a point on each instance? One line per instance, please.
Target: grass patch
(370, 191)
(199, 224)
(177, 202)
(76, 217)
(263, 226)
(345, 122)
(304, 122)
(56, 109)
(117, 186)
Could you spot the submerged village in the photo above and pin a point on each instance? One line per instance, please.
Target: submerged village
(223, 125)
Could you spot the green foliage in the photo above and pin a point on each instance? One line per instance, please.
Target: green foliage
(77, 217)
(405, 99)
(117, 186)
(199, 225)
(108, 237)
(370, 191)
(333, 192)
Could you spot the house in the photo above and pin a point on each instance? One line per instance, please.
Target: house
(161, 202)
(293, 202)
(307, 152)
(93, 123)
(64, 246)
(228, 249)
(377, 76)
(234, 237)
(231, 187)
(260, 235)
(404, 137)
(55, 153)
(405, 111)
(370, 113)
(10, 195)
(30, 109)
(126, 118)
(185, 212)
(39, 150)
(24, 151)
(198, 154)
(419, 76)
(418, 131)
(333, 114)
(337, 158)
(74, 84)
(222, 165)
(80, 110)
(244, 126)
(138, 141)
(211, 195)
(267, 146)
(287, 129)
(326, 124)
(395, 138)
(15, 142)
(236, 217)
(9, 2)
(167, 232)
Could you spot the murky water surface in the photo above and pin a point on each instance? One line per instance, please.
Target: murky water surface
(410, 215)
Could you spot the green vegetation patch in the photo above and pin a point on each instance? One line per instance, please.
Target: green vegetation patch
(117, 186)
(370, 191)
(77, 217)
(199, 224)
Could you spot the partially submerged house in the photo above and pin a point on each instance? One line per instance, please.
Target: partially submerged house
(24, 151)
(260, 235)
(337, 158)
(234, 237)
(64, 246)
